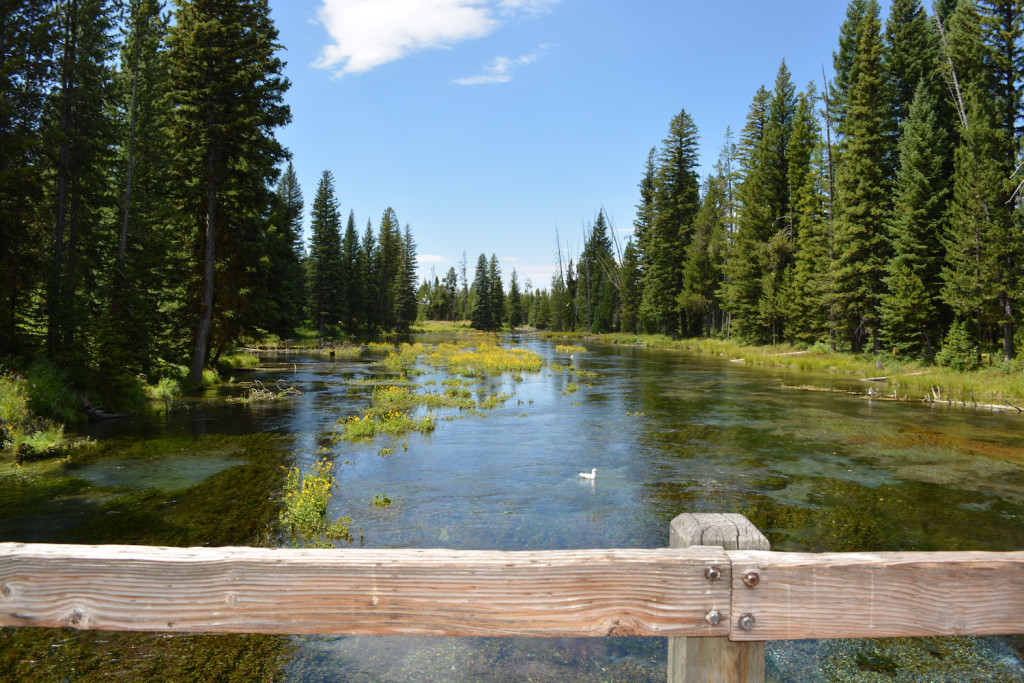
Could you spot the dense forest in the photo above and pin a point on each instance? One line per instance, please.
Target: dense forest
(149, 218)
(881, 212)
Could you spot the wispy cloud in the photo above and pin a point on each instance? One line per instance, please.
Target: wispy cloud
(431, 258)
(498, 71)
(367, 33)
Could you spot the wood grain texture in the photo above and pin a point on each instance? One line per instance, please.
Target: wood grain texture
(878, 595)
(368, 592)
(716, 659)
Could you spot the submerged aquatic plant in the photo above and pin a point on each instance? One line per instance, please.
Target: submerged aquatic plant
(305, 507)
(381, 501)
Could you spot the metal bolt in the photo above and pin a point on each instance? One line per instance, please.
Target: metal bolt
(713, 617)
(746, 621)
(712, 573)
(751, 579)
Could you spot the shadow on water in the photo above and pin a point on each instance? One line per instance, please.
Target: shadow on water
(668, 432)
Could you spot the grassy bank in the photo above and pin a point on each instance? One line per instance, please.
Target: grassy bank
(994, 383)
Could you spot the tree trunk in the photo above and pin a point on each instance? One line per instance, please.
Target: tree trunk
(209, 262)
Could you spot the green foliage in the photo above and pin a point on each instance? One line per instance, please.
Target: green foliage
(305, 507)
(959, 351)
(381, 501)
(51, 395)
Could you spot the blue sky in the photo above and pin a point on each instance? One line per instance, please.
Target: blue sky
(486, 124)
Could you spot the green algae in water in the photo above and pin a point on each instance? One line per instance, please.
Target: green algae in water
(170, 473)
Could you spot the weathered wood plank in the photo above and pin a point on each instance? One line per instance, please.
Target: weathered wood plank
(877, 595)
(716, 659)
(371, 592)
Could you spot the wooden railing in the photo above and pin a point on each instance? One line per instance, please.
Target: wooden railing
(717, 593)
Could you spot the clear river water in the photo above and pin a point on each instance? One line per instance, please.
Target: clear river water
(668, 432)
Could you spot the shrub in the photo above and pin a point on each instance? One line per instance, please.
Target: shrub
(959, 351)
(50, 394)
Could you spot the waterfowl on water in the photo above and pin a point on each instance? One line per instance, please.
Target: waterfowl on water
(592, 474)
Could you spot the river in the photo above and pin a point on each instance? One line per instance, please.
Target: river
(668, 433)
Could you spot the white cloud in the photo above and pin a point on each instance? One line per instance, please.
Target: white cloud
(509, 259)
(498, 71)
(431, 258)
(367, 33)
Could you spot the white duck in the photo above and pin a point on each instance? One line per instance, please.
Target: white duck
(585, 475)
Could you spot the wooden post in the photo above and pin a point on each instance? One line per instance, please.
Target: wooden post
(716, 659)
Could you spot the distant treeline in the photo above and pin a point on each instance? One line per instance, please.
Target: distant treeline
(881, 213)
(144, 217)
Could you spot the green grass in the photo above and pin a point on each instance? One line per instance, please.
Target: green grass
(394, 423)
(993, 383)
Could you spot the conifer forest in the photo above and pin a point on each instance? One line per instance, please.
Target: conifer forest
(149, 217)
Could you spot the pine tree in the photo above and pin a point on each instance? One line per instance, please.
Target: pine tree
(1003, 24)
(228, 96)
(704, 258)
(844, 62)
(629, 293)
(812, 291)
(388, 268)
(482, 315)
(82, 133)
(515, 304)
(26, 37)
(405, 283)
(286, 282)
(911, 313)
(497, 294)
(368, 269)
(597, 295)
(863, 193)
(677, 197)
(325, 256)
(763, 241)
(352, 276)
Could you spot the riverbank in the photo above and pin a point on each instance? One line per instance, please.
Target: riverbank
(998, 385)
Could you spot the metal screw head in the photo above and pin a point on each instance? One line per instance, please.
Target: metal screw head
(751, 579)
(713, 617)
(746, 621)
(712, 573)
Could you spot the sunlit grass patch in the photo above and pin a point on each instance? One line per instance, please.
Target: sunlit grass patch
(305, 507)
(395, 423)
(587, 374)
(569, 348)
(570, 388)
(380, 347)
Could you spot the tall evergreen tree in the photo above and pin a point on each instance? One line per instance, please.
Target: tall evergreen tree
(863, 194)
(515, 303)
(704, 258)
(325, 257)
(677, 197)
(497, 294)
(286, 282)
(629, 291)
(352, 276)
(26, 37)
(368, 260)
(228, 95)
(82, 134)
(912, 315)
(597, 296)
(763, 242)
(482, 316)
(405, 283)
(388, 268)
